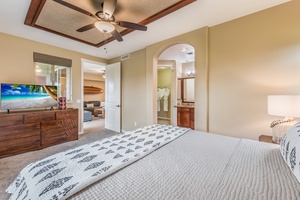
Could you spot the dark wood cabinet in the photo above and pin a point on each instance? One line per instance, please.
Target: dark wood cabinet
(32, 130)
(185, 117)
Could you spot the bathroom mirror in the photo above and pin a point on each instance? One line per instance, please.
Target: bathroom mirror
(187, 92)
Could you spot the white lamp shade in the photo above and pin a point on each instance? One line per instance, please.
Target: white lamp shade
(104, 26)
(284, 105)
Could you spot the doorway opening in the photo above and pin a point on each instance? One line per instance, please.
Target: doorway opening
(93, 98)
(175, 85)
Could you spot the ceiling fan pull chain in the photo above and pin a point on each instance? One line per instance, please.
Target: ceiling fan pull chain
(105, 42)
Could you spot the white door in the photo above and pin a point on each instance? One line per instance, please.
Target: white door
(113, 97)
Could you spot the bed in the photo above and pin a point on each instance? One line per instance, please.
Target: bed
(199, 165)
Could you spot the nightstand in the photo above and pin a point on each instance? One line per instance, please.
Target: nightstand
(266, 138)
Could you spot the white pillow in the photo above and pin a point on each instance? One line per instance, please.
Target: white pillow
(89, 105)
(290, 149)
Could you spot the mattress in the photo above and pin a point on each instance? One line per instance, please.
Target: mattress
(202, 165)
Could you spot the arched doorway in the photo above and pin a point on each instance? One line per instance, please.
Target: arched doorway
(199, 40)
(175, 65)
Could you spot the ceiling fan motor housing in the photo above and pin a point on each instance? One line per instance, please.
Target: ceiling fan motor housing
(105, 17)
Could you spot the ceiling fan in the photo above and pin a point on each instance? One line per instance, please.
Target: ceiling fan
(106, 21)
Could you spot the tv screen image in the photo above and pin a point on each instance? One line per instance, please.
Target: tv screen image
(25, 96)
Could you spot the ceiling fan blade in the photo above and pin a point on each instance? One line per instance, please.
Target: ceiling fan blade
(132, 25)
(117, 35)
(109, 7)
(71, 6)
(86, 28)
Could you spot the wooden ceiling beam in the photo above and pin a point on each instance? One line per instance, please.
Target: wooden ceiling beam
(36, 7)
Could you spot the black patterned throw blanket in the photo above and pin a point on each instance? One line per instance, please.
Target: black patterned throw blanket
(62, 175)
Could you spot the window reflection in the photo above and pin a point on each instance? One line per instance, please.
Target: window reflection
(60, 76)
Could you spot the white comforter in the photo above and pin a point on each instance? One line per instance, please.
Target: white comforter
(63, 174)
(202, 166)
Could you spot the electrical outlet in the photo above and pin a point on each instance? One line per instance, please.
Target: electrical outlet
(134, 123)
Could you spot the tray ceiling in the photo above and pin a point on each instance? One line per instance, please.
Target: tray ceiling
(51, 16)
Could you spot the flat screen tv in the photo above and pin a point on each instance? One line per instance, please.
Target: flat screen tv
(25, 96)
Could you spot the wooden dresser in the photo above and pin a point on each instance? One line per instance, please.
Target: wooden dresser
(32, 130)
(185, 116)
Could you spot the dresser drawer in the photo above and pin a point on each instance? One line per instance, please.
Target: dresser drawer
(39, 117)
(8, 120)
(58, 131)
(19, 131)
(19, 138)
(67, 114)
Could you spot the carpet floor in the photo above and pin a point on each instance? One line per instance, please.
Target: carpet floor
(11, 166)
(95, 125)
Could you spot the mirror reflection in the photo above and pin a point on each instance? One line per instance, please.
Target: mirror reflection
(185, 91)
(188, 90)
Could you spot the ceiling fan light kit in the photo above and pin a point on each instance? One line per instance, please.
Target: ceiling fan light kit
(104, 27)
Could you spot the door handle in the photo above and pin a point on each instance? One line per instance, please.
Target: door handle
(118, 106)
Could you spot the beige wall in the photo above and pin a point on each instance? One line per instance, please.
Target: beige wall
(16, 63)
(139, 81)
(133, 90)
(189, 66)
(250, 58)
(95, 81)
(199, 40)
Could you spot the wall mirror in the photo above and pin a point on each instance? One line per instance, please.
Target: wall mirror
(186, 86)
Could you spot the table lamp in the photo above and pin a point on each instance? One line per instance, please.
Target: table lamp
(287, 106)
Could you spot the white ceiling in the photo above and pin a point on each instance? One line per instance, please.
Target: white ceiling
(91, 67)
(196, 15)
(179, 52)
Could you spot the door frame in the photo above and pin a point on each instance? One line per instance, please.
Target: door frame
(81, 100)
(173, 83)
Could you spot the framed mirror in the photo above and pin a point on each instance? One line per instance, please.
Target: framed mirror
(186, 86)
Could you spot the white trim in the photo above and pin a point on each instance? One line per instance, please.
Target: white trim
(81, 132)
(81, 96)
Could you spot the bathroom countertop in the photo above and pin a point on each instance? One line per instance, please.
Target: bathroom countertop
(185, 106)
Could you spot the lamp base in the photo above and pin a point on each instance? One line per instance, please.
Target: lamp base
(279, 130)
